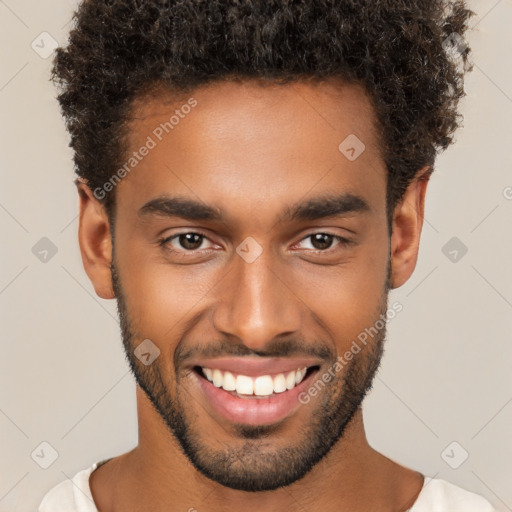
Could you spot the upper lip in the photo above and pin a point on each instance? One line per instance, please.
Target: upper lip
(252, 367)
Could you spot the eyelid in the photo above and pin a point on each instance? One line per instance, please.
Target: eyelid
(342, 241)
(163, 241)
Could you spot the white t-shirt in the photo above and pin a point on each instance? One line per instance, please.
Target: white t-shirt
(436, 495)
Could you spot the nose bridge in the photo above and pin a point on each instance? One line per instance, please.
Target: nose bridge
(257, 305)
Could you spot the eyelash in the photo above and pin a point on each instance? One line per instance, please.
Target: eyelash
(163, 242)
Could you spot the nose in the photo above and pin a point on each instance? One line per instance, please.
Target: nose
(256, 304)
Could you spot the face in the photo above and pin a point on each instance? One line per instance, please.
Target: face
(252, 252)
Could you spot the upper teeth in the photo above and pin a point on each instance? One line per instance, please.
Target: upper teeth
(263, 385)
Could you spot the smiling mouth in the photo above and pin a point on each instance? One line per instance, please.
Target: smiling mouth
(261, 386)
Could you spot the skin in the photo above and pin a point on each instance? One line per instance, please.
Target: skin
(251, 151)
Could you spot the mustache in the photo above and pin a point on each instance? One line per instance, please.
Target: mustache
(275, 348)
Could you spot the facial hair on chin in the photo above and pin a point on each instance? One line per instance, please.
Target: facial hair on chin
(251, 463)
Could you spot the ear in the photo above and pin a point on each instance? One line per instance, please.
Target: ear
(95, 242)
(407, 223)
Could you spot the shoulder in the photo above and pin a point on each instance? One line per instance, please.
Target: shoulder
(438, 495)
(72, 495)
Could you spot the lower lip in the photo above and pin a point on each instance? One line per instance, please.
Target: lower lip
(253, 410)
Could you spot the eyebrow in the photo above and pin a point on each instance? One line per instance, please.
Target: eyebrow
(311, 209)
(326, 206)
(189, 209)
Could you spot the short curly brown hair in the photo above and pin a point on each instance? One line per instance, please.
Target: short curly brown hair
(402, 52)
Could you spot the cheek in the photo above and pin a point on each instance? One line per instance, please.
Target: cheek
(160, 296)
(350, 297)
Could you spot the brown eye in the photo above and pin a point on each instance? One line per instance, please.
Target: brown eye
(190, 241)
(184, 242)
(324, 242)
(321, 241)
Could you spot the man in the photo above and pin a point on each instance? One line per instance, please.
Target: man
(252, 179)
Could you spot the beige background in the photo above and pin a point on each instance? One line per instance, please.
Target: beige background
(446, 373)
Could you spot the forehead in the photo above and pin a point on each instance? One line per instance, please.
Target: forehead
(249, 145)
(229, 106)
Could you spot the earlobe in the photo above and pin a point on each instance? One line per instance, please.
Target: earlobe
(407, 225)
(95, 242)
